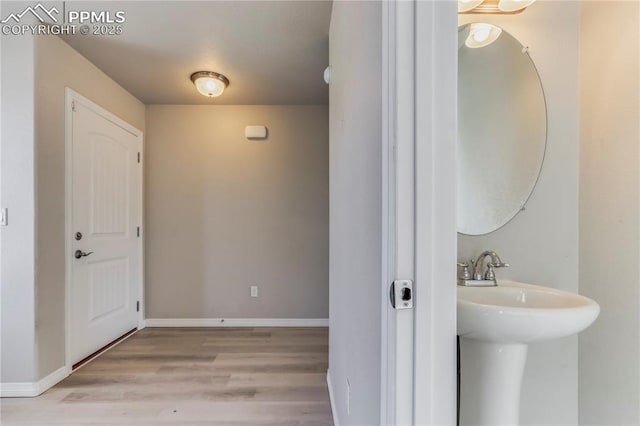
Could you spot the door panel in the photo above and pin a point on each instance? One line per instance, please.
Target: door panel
(106, 204)
(108, 283)
(110, 180)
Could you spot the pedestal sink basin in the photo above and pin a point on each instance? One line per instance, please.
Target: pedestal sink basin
(495, 324)
(515, 312)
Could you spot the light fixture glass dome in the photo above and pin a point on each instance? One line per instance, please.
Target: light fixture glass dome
(209, 83)
(482, 34)
(467, 5)
(514, 5)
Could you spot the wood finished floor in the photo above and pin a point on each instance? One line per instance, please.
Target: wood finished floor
(192, 376)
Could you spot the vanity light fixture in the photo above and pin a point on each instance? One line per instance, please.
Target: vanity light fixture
(482, 34)
(514, 5)
(209, 83)
(467, 5)
(493, 6)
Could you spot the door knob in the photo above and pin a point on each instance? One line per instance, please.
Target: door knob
(79, 254)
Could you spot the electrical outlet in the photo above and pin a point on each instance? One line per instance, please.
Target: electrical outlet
(254, 291)
(348, 397)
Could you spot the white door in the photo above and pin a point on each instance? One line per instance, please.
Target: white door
(105, 249)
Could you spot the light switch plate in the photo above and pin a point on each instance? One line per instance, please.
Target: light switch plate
(4, 216)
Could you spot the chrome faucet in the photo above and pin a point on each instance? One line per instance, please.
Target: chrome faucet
(477, 278)
(496, 262)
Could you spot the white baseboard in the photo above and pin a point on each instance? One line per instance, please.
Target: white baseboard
(236, 322)
(334, 411)
(31, 389)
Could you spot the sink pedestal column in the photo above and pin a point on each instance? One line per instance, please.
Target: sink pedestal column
(491, 377)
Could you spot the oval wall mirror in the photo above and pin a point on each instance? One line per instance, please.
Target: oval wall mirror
(502, 128)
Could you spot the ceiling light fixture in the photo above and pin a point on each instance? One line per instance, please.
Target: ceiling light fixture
(482, 34)
(209, 83)
(493, 6)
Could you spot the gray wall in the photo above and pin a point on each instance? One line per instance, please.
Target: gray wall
(33, 144)
(356, 209)
(610, 211)
(541, 243)
(17, 190)
(224, 213)
(59, 66)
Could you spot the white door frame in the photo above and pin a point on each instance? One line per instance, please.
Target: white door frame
(418, 380)
(72, 97)
(436, 214)
(398, 209)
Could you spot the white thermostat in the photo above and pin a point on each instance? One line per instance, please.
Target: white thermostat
(255, 132)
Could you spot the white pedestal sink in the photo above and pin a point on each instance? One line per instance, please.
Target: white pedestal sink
(495, 324)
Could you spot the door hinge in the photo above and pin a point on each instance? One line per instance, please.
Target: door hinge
(138, 157)
(401, 294)
(137, 306)
(73, 106)
(138, 231)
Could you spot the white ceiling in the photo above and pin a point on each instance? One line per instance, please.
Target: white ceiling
(273, 52)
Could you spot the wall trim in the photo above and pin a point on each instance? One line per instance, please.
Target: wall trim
(334, 411)
(31, 389)
(435, 244)
(237, 322)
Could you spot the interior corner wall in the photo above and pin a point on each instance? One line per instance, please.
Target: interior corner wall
(17, 279)
(541, 243)
(59, 66)
(609, 386)
(224, 213)
(355, 56)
